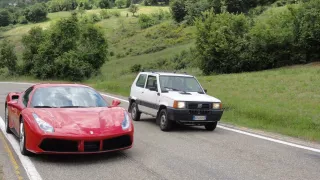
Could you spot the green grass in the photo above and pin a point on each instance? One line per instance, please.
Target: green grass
(284, 100)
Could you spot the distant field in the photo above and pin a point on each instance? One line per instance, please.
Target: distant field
(285, 100)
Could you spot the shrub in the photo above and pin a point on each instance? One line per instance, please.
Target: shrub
(133, 9)
(120, 3)
(23, 20)
(178, 10)
(95, 18)
(136, 68)
(116, 13)
(36, 13)
(4, 18)
(194, 9)
(104, 14)
(8, 57)
(145, 21)
(105, 4)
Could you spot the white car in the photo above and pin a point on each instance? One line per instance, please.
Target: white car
(172, 97)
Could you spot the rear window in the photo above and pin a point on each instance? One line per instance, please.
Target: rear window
(141, 80)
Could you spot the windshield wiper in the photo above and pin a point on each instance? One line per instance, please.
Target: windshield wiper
(44, 107)
(74, 106)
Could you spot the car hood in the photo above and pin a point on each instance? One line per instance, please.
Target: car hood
(82, 120)
(190, 96)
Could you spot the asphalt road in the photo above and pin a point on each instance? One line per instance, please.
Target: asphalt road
(185, 153)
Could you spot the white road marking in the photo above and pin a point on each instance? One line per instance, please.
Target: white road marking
(247, 133)
(25, 161)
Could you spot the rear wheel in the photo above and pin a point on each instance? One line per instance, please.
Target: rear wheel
(6, 120)
(135, 114)
(211, 126)
(22, 138)
(165, 123)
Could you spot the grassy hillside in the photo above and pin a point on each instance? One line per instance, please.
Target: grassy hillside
(282, 100)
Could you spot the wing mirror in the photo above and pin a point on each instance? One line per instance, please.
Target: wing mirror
(12, 102)
(116, 102)
(205, 90)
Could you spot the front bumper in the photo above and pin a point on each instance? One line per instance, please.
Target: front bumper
(185, 116)
(44, 143)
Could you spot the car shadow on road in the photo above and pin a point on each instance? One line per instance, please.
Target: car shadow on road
(176, 127)
(84, 159)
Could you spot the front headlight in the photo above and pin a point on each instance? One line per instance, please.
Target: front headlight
(126, 121)
(216, 106)
(179, 104)
(42, 124)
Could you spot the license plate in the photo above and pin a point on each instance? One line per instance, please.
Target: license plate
(199, 118)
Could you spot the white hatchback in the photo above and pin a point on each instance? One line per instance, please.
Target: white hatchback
(172, 97)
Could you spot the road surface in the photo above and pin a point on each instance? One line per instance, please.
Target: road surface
(184, 153)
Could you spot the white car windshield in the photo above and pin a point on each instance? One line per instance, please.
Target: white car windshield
(179, 83)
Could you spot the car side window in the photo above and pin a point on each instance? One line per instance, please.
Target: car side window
(25, 99)
(141, 80)
(152, 82)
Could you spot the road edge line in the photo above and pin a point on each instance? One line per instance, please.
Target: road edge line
(27, 164)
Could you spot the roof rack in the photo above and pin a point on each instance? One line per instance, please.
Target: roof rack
(162, 71)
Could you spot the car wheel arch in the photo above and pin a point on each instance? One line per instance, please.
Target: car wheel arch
(161, 107)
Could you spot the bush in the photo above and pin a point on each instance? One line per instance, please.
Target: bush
(116, 13)
(23, 20)
(4, 18)
(8, 57)
(120, 3)
(220, 42)
(69, 49)
(136, 68)
(104, 14)
(145, 21)
(178, 10)
(105, 4)
(95, 18)
(133, 9)
(36, 13)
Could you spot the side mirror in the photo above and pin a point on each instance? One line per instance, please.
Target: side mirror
(12, 102)
(205, 90)
(116, 103)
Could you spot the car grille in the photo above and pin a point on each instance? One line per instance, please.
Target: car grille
(199, 112)
(117, 143)
(59, 145)
(91, 146)
(199, 105)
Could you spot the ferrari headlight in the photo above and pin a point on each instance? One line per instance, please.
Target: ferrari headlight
(126, 121)
(179, 104)
(216, 106)
(42, 124)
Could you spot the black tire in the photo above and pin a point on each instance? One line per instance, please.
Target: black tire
(211, 126)
(6, 120)
(165, 123)
(135, 113)
(22, 139)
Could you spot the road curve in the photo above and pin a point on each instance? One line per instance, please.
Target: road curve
(185, 153)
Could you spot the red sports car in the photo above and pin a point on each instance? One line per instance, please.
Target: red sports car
(67, 118)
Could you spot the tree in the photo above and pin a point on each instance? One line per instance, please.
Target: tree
(133, 9)
(36, 13)
(178, 10)
(105, 4)
(8, 57)
(4, 18)
(220, 41)
(120, 3)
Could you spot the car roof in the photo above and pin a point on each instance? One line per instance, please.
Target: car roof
(167, 74)
(42, 85)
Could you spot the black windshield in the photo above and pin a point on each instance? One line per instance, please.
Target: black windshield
(67, 97)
